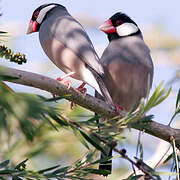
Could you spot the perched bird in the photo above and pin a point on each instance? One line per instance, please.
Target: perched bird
(66, 43)
(127, 63)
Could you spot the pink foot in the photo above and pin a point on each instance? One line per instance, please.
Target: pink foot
(118, 108)
(67, 82)
(81, 89)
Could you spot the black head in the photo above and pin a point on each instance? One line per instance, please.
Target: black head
(121, 18)
(39, 15)
(119, 25)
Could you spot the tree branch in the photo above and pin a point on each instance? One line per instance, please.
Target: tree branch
(96, 105)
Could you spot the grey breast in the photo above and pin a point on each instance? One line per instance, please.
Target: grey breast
(128, 65)
(131, 49)
(59, 24)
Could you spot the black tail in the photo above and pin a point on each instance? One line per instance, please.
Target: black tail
(107, 165)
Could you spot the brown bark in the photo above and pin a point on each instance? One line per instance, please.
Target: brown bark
(96, 105)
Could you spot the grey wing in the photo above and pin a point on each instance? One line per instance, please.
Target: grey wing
(132, 50)
(72, 35)
(128, 64)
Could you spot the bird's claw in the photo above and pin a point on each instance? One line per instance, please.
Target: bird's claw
(118, 108)
(72, 104)
(67, 83)
(81, 89)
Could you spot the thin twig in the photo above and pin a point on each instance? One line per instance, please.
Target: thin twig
(175, 156)
(111, 145)
(162, 157)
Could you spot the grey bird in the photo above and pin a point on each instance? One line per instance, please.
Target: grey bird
(66, 43)
(127, 62)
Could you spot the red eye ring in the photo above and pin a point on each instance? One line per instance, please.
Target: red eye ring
(36, 14)
(119, 22)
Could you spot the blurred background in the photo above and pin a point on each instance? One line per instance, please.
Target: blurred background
(159, 22)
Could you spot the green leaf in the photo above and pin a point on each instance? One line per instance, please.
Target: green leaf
(102, 160)
(177, 111)
(142, 122)
(163, 98)
(97, 171)
(173, 143)
(141, 150)
(93, 121)
(138, 126)
(48, 169)
(6, 86)
(153, 98)
(168, 158)
(16, 178)
(80, 137)
(3, 121)
(3, 32)
(61, 170)
(8, 172)
(147, 119)
(167, 173)
(4, 164)
(27, 128)
(157, 97)
(133, 177)
(57, 98)
(93, 141)
(58, 120)
(49, 121)
(6, 78)
(178, 99)
(38, 148)
(90, 156)
(21, 165)
(150, 170)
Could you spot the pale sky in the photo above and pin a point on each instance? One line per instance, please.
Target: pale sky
(143, 12)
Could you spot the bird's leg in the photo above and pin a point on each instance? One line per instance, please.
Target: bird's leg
(83, 90)
(118, 108)
(67, 82)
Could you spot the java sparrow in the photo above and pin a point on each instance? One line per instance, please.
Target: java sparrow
(127, 63)
(66, 43)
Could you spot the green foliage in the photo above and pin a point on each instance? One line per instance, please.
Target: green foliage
(177, 110)
(35, 116)
(159, 95)
(13, 57)
(9, 54)
(133, 177)
(79, 170)
(29, 125)
(31, 113)
(27, 109)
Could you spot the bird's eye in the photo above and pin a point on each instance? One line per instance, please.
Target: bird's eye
(36, 14)
(119, 22)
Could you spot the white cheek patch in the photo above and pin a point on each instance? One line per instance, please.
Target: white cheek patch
(126, 29)
(43, 13)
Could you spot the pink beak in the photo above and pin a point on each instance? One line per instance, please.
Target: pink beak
(32, 27)
(107, 27)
